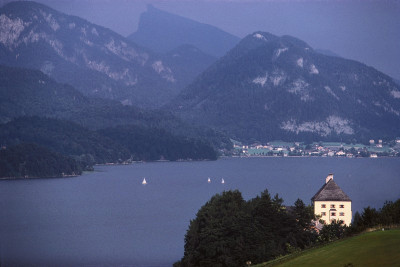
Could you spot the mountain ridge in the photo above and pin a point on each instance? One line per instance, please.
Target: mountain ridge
(162, 31)
(95, 60)
(270, 87)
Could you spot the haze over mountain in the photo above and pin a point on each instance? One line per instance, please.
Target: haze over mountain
(271, 87)
(25, 92)
(188, 61)
(104, 64)
(95, 60)
(162, 31)
(366, 31)
(326, 52)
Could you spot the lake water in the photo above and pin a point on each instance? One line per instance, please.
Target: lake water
(108, 218)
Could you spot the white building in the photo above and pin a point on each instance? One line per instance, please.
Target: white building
(340, 153)
(331, 203)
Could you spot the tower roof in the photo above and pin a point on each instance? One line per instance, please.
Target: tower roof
(330, 191)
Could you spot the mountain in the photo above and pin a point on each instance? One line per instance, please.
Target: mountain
(25, 92)
(95, 60)
(271, 87)
(188, 61)
(162, 31)
(326, 52)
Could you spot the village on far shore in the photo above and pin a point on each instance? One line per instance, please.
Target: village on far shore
(375, 149)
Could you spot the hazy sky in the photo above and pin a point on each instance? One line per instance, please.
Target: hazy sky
(367, 31)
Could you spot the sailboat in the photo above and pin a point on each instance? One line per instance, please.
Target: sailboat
(144, 181)
(209, 180)
(222, 181)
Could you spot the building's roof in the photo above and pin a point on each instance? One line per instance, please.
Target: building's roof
(330, 192)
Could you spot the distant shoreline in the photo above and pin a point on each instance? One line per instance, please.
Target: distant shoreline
(309, 156)
(36, 178)
(160, 161)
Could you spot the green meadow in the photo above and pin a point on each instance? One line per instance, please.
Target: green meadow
(380, 248)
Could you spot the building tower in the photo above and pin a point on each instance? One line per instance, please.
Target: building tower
(331, 203)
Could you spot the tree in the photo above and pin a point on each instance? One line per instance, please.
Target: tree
(333, 231)
(304, 214)
(229, 231)
(304, 234)
(215, 237)
(390, 213)
(370, 217)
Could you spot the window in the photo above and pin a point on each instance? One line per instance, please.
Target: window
(341, 206)
(333, 213)
(323, 206)
(332, 206)
(323, 213)
(341, 213)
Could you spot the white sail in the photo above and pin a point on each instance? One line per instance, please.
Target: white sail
(209, 180)
(144, 181)
(222, 181)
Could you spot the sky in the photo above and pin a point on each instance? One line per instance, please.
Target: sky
(364, 30)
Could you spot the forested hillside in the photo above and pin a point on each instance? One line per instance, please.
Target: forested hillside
(65, 137)
(158, 144)
(110, 145)
(25, 92)
(32, 161)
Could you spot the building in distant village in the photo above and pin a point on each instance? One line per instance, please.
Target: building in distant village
(331, 203)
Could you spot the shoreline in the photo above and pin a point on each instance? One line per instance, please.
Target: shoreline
(36, 178)
(162, 161)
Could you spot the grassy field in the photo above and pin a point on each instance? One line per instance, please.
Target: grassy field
(381, 248)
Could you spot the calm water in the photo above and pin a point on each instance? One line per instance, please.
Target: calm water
(108, 218)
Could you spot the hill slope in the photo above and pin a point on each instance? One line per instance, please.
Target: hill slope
(29, 160)
(162, 31)
(93, 59)
(63, 137)
(25, 92)
(115, 144)
(370, 249)
(271, 87)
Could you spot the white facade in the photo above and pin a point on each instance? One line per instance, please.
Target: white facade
(334, 210)
(331, 203)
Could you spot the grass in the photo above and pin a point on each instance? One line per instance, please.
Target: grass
(380, 248)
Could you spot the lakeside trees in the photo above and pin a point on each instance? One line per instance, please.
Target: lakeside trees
(30, 160)
(386, 216)
(86, 147)
(228, 231)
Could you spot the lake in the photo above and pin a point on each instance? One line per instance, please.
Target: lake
(108, 218)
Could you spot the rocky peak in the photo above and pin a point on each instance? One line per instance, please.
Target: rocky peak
(93, 59)
(270, 87)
